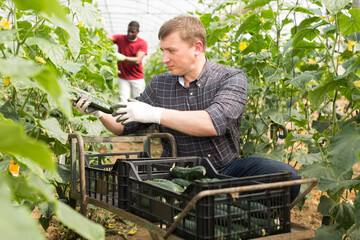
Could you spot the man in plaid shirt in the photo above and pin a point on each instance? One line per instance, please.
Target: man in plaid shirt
(199, 102)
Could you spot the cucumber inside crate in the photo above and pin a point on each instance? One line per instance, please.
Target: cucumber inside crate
(223, 216)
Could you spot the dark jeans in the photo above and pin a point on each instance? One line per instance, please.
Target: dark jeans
(252, 166)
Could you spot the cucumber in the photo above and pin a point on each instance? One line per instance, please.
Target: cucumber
(181, 182)
(167, 184)
(189, 174)
(95, 103)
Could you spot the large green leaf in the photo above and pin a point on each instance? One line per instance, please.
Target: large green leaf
(329, 232)
(35, 168)
(44, 187)
(52, 49)
(49, 81)
(334, 6)
(335, 185)
(71, 66)
(53, 129)
(344, 149)
(302, 79)
(15, 222)
(294, 137)
(318, 94)
(276, 116)
(74, 220)
(257, 3)
(18, 67)
(21, 190)
(308, 158)
(7, 35)
(50, 7)
(343, 213)
(316, 170)
(74, 42)
(325, 205)
(350, 25)
(13, 140)
(86, 13)
(8, 111)
(357, 210)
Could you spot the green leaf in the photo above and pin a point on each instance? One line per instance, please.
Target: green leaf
(335, 185)
(44, 187)
(335, 6)
(12, 136)
(257, 3)
(7, 35)
(325, 205)
(18, 67)
(329, 232)
(79, 223)
(61, 176)
(316, 170)
(302, 79)
(49, 81)
(15, 222)
(317, 95)
(53, 129)
(21, 190)
(344, 149)
(8, 111)
(52, 49)
(343, 213)
(276, 116)
(251, 24)
(293, 137)
(308, 158)
(350, 25)
(87, 13)
(35, 168)
(74, 42)
(50, 7)
(357, 210)
(71, 66)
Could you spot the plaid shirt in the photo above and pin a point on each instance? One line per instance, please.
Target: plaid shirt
(220, 91)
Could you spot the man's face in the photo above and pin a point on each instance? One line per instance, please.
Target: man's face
(178, 55)
(132, 33)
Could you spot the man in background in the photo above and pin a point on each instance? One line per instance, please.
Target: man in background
(131, 51)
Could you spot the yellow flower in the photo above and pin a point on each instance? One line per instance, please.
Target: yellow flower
(262, 20)
(227, 54)
(261, 76)
(81, 24)
(6, 81)
(332, 19)
(302, 63)
(311, 62)
(224, 37)
(242, 46)
(40, 60)
(5, 23)
(351, 44)
(228, 44)
(263, 50)
(357, 83)
(96, 35)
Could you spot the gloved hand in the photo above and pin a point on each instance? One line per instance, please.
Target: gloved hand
(120, 57)
(82, 106)
(135, 111)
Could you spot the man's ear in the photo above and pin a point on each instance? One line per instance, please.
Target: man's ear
(198, 47)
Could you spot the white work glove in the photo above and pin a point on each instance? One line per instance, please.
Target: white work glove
(82, 106)
(120, 57)
(135, 111)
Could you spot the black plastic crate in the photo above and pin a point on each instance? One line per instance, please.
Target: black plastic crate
(224, 216)
(101, 180)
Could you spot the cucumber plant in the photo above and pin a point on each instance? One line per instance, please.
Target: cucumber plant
(44, 47)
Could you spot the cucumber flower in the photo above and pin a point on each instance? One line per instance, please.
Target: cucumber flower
(6, 81)
(242, 46)
(227, 54)
(4, 23)
(311, 62)
(351, 44)
(228, 44)
(357, 83)
(81, 24)
(40, 60)
(262, 20)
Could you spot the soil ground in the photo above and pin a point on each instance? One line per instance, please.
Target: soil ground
(307, 216)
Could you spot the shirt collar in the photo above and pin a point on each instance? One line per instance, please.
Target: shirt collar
(200, 79)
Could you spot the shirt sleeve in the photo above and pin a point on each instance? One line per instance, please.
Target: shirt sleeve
(143, 47)
(229, 102)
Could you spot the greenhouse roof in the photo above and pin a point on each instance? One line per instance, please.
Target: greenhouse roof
(150, 14)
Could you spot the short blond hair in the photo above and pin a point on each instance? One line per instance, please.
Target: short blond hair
(190, 29)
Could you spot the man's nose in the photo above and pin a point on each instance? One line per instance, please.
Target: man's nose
(165, 58)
